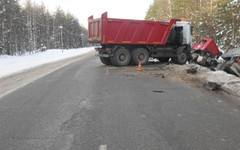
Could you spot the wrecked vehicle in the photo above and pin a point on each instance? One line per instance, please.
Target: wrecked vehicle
(231, 63)
(206, 53)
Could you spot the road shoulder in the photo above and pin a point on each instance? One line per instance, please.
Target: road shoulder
(12, 82)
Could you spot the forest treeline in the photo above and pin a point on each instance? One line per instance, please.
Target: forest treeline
(216, 19)
(32, 27)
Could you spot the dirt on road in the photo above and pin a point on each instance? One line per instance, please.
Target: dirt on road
(229, 83)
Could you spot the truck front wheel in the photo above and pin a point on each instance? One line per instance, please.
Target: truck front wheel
(121, 57)
(140, 54)
(181, 58)
(105, 60)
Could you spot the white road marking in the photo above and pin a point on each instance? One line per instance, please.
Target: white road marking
(103, 147)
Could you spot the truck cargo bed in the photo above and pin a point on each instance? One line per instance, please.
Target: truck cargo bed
(106, 30)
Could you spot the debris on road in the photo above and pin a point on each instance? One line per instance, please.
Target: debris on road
(160, 75)
(207, 68)
(192, 70)
(161, 91)
(212, 69)
(174, 72)
(213, 86)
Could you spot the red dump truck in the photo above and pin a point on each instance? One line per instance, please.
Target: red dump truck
(125, 41)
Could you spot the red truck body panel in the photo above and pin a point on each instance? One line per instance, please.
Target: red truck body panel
(106, 30)
(207, 45)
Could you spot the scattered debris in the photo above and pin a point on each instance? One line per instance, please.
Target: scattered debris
(213, 86)
(153, 60)
(192, 70)
(212, 69)
(160, 75)
(158, 91)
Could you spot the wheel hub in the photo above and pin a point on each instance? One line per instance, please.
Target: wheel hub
(141, 56)
(182, 57)
(122, 57)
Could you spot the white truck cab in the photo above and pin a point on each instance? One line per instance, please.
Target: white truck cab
(186, 32)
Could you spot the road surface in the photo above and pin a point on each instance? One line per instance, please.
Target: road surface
(89, 106)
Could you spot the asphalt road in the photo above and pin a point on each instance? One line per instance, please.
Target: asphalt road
(89, 106)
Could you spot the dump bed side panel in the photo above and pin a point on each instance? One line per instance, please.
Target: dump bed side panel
(124, 31)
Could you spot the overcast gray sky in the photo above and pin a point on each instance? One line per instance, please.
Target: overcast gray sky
(82, 9)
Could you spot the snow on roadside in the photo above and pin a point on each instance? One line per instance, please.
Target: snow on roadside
(229, 82)
(13, 64)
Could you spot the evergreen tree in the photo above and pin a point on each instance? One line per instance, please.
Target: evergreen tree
(159, 10)
(32, 28)
(216, 19)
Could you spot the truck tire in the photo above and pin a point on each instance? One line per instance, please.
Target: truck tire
(182, 57)
(140, 54)
(121, 57)
(105, 60)
(112, 61)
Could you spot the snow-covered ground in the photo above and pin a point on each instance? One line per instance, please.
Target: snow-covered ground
(229, 82)
(14, 64)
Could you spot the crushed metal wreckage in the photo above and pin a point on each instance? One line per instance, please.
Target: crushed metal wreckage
(206, 53)
(231, 62)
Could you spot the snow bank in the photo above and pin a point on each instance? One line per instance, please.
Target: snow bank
(229, 82)
(13, 64)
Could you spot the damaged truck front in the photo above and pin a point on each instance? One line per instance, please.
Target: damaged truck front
(126, 41)
(206, 53)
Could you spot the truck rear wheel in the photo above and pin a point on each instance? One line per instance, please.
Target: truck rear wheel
(112, 61)
(105, 60)
(140, 54)
(121, 57)
(181, 58)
